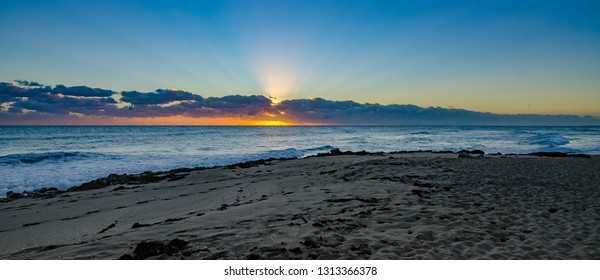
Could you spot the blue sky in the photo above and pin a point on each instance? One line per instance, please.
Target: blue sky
(540, 57)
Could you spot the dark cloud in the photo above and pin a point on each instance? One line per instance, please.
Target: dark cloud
(14, 91)
(160, 96)
(83, 91)
(319, 110)
(62, 104)
(29, 83)
(153, 105)
(60, 100)
(30, 100)
(240, 105)
(31, 89)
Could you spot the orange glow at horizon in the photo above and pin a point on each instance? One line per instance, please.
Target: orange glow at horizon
(179, 120)
(166, 121)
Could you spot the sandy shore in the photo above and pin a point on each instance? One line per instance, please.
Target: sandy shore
(391, 206)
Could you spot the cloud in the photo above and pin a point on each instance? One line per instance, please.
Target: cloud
(239, 105)
(160, 96)
(28, 83)
(319, 110)
(83, 91)
(157, 104)
(350, 112)
(62, 104)
(27, 97)
(31, 89)
(22, 100)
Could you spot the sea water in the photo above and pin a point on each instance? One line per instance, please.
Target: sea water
(64, 156)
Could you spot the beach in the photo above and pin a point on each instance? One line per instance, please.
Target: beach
(414, 205)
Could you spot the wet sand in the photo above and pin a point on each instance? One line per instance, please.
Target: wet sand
(378, 206)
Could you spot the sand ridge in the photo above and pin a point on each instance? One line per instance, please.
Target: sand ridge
(386, 206)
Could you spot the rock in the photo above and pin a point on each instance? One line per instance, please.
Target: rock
(178, 244)
(470, 154)
(464, 155)
(296, 251)
(558, 154)
(310, 242)
(253, 256)
(126, 257)
(13, 195)
(337, 152)
(147, 249)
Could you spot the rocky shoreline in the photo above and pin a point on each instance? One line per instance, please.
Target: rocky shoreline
(171, 175)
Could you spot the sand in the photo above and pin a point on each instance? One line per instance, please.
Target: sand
(387, 206)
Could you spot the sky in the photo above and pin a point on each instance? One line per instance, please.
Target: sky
(299, 62)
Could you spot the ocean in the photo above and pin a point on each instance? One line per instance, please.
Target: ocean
(64, 156)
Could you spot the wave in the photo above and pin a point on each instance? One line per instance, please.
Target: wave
(550, 142)
(319, 149)
(287, 153)
(548, 139)
(67, 169)
(418, 140)
(33, 158)
(315, 150)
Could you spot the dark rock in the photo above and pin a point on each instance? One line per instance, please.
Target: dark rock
(470, 154)
(558, 154)
(473, 152)
(296, 251)
(310, 242)
(13, 195)
(255, 163)
(253, 256)
(135, 179)
(178, 243)
(423, 151)
(552, 210)
(337, 152)
(147, 249)
(126, 257)
(465, 155)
